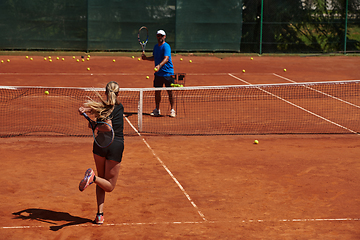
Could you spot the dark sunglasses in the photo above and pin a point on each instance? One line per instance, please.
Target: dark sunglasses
(159, 35)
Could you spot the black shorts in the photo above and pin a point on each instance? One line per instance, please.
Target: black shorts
(160, 81)
(112, 152)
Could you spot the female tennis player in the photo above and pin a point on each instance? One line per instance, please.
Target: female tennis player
(107, 160)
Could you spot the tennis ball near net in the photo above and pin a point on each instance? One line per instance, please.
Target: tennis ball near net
(46, 92)
(256, 142)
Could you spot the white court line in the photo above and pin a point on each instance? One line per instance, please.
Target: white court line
(328, 95)
(297, 106)
(202, 222)
(168, 171)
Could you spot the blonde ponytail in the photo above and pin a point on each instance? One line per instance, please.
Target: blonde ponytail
(103, 109)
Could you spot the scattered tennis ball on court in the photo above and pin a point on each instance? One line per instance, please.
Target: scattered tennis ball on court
(256, 141)
(31, 59)
(190, 61)
(147, 77)
(88, 69)
(57, 58)
(47, 92)
(284, 69)
(49, 57)
(50, 60)
(114, 60)
(83, 60)
(89, 56)
(8, 60)
(26, 57)
(63, 59)
(88, 59)
(139, 59)
(243, 70)
(2, 61)
(77, 60)
(73, 57)
(45, 58)
(251, 59)
(181, 59)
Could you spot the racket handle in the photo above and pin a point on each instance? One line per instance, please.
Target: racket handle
(86, 116)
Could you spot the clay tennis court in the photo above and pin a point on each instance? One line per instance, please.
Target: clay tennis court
(292, 186)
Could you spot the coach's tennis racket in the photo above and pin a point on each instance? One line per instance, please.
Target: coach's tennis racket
(143, 37)
(102, 138)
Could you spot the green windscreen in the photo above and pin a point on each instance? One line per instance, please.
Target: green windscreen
(43, 24)
(112, 25)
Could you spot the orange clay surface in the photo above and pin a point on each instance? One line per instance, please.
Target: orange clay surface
(183, 187)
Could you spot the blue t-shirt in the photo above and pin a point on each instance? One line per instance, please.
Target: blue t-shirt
(159, 53)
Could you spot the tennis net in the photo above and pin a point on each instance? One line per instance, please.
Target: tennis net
(294, 108)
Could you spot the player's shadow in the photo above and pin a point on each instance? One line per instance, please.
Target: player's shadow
(52, 217)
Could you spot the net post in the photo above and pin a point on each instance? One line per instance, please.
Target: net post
(140, 110)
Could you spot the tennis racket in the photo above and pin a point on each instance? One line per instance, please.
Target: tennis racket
(143, 37)
(102, 138)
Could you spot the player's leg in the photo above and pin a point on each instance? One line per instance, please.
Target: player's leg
(168, 81)
(108, 172)
(158, 83)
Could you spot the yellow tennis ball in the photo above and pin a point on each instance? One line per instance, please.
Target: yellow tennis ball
(139, 59)
(190, 61)
(57, 58)
(181, 59)
(26, 57)
(147, 77)
(132, 57)
(88, 56)
(251, 58)
(77, 60)
(155, 69)
(63, 59)
(8, 60)
(31, 59)
(47, 92)
(113, 60)
(284, 69)
(49, 57)
(88, 69)
(73, 57)
(256, 141)
(50, 60)
(2, 61)
(88, 59)
(83, 60)
(45, 58)
(243, 70)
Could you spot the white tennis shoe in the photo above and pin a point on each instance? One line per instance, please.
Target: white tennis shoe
(172, 113)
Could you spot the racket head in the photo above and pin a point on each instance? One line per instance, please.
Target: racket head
(101, 138)
(143, 37)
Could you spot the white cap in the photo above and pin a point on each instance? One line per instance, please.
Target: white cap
(162, 32)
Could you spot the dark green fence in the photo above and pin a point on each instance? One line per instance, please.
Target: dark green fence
(301, 26)
(259, 26)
